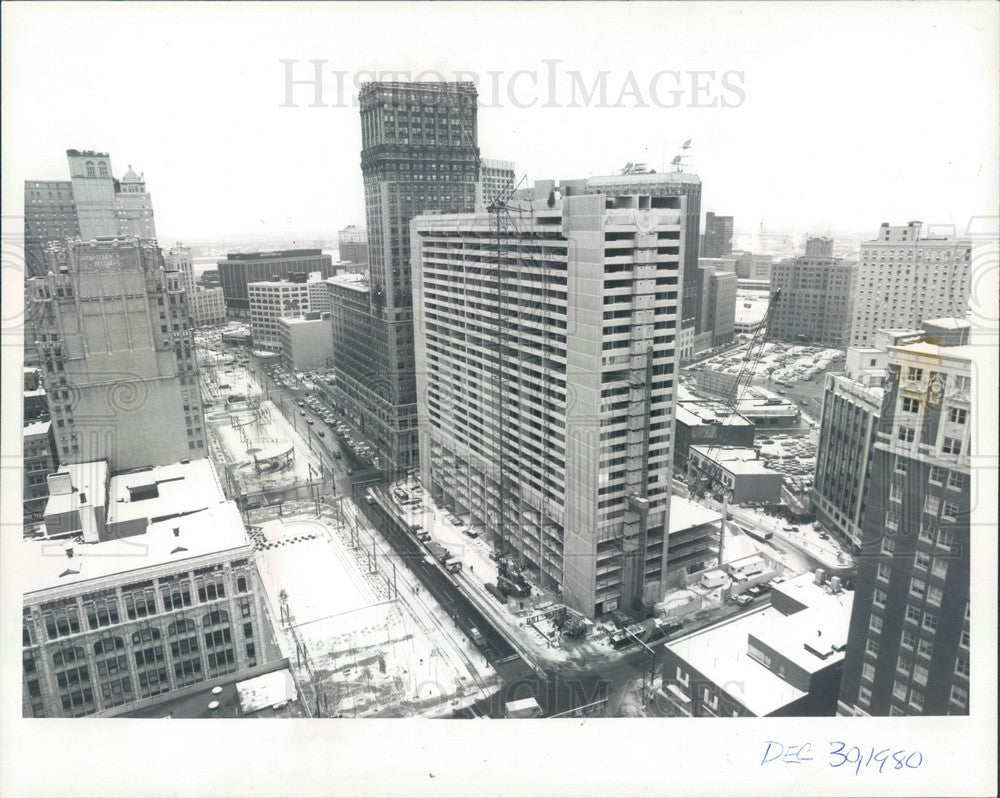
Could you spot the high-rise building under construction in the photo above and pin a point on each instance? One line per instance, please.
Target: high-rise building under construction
(546, 363)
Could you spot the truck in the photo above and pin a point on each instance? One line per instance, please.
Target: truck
(438, 552)
(453, 564)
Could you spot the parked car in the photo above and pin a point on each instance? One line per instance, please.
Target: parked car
(302, 412)
(743, 599)
(321, 434)
(758, 590)
(350, 471)
(477, 637)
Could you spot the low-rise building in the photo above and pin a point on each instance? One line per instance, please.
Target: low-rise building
(149, 590)
(769, 411)
(737, 471)
(306, 342)
(270, 301)
(783, 660)
(693, 538)
(708, 422)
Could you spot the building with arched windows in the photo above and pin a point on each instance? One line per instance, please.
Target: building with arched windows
(116, 619)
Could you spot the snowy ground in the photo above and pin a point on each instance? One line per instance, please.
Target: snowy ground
(478, 569)
(361, 651)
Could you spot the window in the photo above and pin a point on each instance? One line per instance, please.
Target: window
(938, 475)
(872, 646)
(957, 415)
(912, 613)
(949, 512)
(925, 648)
(884, 572)
(906, 434)
(926, 532)
(888, 545)
(965, 638)
(959, 696)
(956, 480)
(708, 697)
(935, 595)
(930, 622)
(920, 675)
(931, 504)
(911, 405)
(683, 677)
(940, 567)
(875, 623)
(908, 639)
(892, 519)
(879, 597)
(900, 466)
(241, 584)
(899, 690)
(916, 698)
(864, 694)
(914, 373)
(868, 672)
(951, 446)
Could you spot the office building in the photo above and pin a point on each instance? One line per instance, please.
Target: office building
(717, 242)
(118, 355)
(718, 305)
(91, 204)
(573, 428)
(782, 660)
(179, 260)
(852, 407)
(905, 277)
(306, 342)
(318, 294)
(766, 410)
(419, 154)
(49, 215)
(819, 247)
(207, 306)
(816, 302)
(239, 269)
(271, 301)
(151, 609)
(736, 471)
(352, 245)
(497, 182)
(707, 422)
(908, 647)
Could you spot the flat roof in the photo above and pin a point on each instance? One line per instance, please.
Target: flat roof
(357, 282)
(216, 529)
(735, 459)
(36, 428)
(721, 653)
(88, 479)
(695, 413)
(950, 323)
(963, 352)
(686, 514)
(646, 177)
(180, 488)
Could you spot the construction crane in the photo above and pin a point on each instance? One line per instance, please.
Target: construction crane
(678, 161)
(731, 401)
(509, 580)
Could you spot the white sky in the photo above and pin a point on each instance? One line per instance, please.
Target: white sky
(854, 113)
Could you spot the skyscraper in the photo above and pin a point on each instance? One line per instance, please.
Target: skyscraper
(496, 180)
(91, 204)
(905, 277)
(419, 153)
(718, 239)
(908, 645)
(546, 384)
(117, 353)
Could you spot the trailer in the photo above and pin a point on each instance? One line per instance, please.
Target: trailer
(438, 552)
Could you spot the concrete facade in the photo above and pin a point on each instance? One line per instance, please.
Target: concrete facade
(736, 471)
(239, 269)
(352, 245)
(580, 412)
(905, 277)
(306, 342)
(270, 302)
